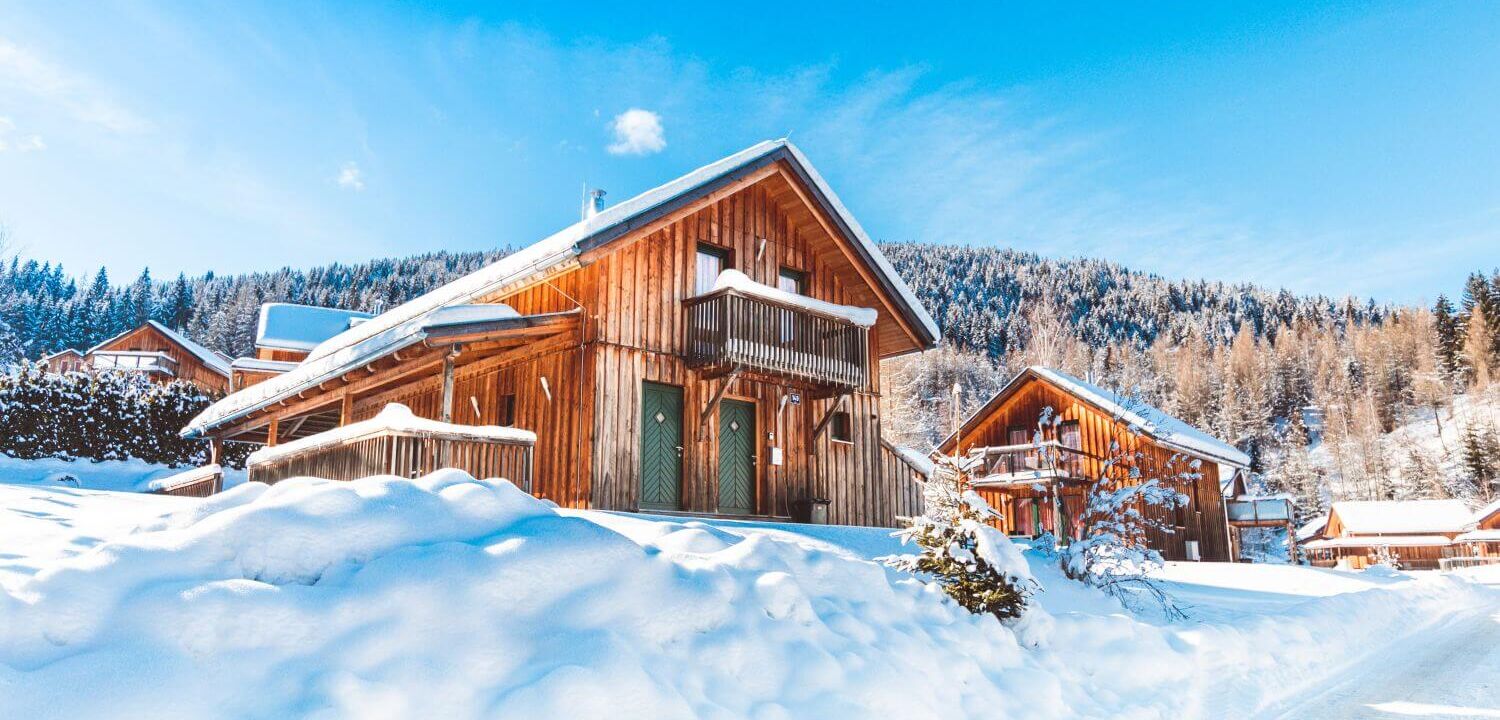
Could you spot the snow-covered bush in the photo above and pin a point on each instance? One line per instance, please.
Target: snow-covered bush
(99, 416)
(1122, 509)
(975, 564)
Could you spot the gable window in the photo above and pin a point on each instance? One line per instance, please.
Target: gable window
(792, 281)
(712, 260)
(839, 427)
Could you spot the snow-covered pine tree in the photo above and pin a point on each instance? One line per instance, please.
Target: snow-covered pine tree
(974, 563)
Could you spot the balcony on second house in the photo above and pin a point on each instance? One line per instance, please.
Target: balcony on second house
(741, 326)
(1027, 464)
(145, 361)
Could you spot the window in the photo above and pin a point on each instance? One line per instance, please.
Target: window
(839, 428)
(792, 281)
(1070, 438)
(1022, 459)
(507, 408)
(712, 260)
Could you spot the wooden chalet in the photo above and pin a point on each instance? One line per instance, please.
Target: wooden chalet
(1249, 513)
(1482, 536)
(710, 347)
(65, 360)
(1419, 534)
(1036, 495)
(284, 335)
(153, 349)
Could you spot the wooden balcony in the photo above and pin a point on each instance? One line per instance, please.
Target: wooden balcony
(134, 361)
(729, 331)
(1027, 464)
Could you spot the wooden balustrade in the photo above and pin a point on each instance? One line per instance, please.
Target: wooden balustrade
(729, 330)
(1039, 461)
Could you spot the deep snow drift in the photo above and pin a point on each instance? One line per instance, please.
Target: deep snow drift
(450, 597)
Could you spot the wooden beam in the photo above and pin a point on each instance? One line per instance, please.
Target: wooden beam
(714, 401)
(823, 424)
(447, 407)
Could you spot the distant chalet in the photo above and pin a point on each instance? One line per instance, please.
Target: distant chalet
(711, 346)
(153, 350)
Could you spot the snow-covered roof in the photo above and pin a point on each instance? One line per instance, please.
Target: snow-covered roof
(401, 326)
(736, 280)
(915, 458)
(1480, 536)
(1313, 528)
(186, 477)
(259, 365)
(1485, 513)
(1381, 540)
(466, 314)
(285, 326)
(394, 417)
(1366, 517)
(64, 351)
(1150, 421)
(213, 360)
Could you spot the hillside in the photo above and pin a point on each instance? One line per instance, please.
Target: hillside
(1246, 363)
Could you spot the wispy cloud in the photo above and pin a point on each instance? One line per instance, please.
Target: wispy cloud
(350, 177)
(11, 140)
(43, 81)
(637, 132)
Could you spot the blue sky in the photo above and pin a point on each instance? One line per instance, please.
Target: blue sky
(1337, 149)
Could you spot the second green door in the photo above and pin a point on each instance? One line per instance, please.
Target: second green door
(736, 457)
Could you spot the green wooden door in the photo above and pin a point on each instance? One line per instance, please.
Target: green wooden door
(661, 447)
(736, 457)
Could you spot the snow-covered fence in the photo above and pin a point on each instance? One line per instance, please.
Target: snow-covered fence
(98, 416)
(396, 442)
(197, 482)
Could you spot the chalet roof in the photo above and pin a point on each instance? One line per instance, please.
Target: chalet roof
(285, 326)
(1367, 517)
(1149, 421)
(1380, 540)
(1485, 513)
(401, 326)
(60, 353)
(1313, 528)
(209, 358)
(259, 365)
(1480, 536)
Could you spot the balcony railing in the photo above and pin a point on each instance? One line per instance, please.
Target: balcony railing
(1031, 462)
(728, 330)
(134, 360)
(1259, 511)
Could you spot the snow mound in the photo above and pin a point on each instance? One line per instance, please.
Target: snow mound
(447, 596)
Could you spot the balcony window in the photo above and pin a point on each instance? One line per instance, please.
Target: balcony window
(839, 427)
(792, 281)
(712, 260)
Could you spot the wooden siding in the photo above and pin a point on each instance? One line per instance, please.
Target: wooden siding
(189, 367)
(1203, 518)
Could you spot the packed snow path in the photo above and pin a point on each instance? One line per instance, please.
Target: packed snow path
(1452, 671)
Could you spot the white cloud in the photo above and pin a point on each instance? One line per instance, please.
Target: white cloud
(350, 177)
(79, 96)
(637, 132)
(9, 140)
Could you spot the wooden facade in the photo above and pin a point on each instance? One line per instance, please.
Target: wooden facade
(1081, 439)
(1355, 547)
(1483, 539)
(619, 324)
(404, 453)
(152, 350)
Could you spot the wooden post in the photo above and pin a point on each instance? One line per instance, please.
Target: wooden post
(215, 450)
(447, 409)
(346, 409)
(271, 431)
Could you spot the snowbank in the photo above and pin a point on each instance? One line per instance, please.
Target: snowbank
(452, 597)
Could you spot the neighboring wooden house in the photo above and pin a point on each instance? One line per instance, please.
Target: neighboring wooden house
(65, 360)
(1417, 533)
(1482, 536)
(158, 351)
(284, 335)
(1250, 513)
(711, 346)
(1035, 499)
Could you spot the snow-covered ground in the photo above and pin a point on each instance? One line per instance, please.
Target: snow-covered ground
(450, 597)
(119, 475)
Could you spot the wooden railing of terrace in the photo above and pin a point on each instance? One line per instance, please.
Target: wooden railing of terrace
(406, 453)
(729, 331)
(1049, 460)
